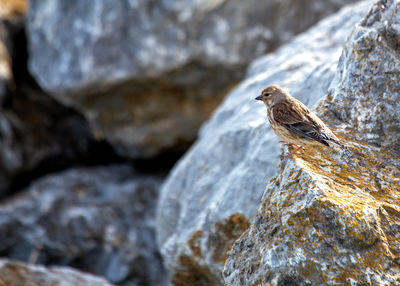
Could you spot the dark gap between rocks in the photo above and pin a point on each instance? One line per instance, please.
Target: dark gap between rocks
(94, 153)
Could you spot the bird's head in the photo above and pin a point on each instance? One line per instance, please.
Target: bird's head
(272, 95)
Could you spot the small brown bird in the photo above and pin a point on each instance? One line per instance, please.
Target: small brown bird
(294, 122)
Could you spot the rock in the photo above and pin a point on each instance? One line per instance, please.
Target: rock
(37, 134)
(5, 63)
(147, 74)
(99, 220)
(15, 273)
(331, 217)
(5, 71)
(11, 14)
(12, 9)
(211, 196)
(6, 79)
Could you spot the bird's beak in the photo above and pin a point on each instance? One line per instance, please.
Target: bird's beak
(258, 97)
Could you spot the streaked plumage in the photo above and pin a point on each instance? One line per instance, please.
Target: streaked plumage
(293, 121)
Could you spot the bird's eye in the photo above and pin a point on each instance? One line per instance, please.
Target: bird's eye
(266, 94)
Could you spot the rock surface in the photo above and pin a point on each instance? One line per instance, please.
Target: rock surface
(17, 274)
(37, 134)
(99, 220)
(329, 217)
(212, 194)
(12, 9)
(147, 74)
(5, 62)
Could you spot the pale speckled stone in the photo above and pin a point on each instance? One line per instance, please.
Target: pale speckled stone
(329, 217)
(141, 38)
(213, 192)
(15, 274)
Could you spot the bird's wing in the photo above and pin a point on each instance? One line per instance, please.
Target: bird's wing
(298, 118)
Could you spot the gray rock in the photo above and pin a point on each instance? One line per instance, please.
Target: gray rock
(16, 274)
(329, 217)
(212, 194)
(100, 220)
(146, 74)
(37, 134)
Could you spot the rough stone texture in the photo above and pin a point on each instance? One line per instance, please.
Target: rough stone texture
(37, 134)
(99, 220)
(147, 73)
(212, 194)
(333, 218)
(17, 274)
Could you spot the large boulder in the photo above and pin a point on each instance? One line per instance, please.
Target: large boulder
(100, 220)
(212, 195)
(146, 74)
(37, 134)
(329, 217)
(14, 273)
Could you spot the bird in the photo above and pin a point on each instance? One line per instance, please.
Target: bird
(294, 123)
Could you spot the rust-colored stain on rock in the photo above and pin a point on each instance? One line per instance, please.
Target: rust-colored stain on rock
(194, 243)
(332, 217)
(192, 274)
(225, 235)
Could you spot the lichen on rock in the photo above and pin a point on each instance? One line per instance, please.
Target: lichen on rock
(212, 195)
(332, 217)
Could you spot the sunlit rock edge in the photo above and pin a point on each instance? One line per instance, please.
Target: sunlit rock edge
(212, 194)
(332, 217)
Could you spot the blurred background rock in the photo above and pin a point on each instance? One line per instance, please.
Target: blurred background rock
(100, 98)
